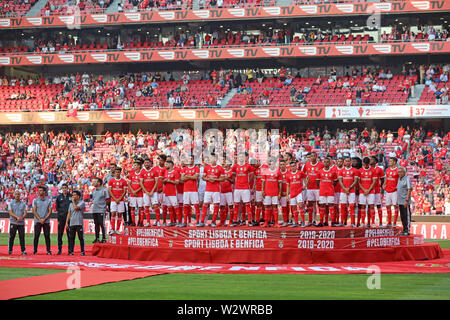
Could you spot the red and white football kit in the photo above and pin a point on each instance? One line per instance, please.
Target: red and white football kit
(135, 200)
(295, 182)
(391, 186)
(366, 179)
(149, 180)
(347, 200)
(170, 195)
(391, 199)
(271, 179)
(212, 191)
(312, 189)
(190, 187)
(242, 182)
(326, 193)
(118, 188)
(379, 174)
(326, 187)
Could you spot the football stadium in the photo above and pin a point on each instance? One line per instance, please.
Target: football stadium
(224, 150)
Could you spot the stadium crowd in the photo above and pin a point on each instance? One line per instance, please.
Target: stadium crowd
(253, 87)
(47, 158)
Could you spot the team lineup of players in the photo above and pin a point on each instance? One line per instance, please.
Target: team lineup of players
(333, 189)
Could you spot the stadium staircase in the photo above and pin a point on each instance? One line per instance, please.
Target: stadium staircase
(113, 6)
(36, 9)
(228, 97)
(284, 2)
(418, 89)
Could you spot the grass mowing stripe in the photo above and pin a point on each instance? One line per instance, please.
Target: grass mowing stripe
(277, 287)
(16, 273)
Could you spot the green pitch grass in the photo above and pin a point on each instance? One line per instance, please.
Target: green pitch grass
(241, 286)
(263, 287)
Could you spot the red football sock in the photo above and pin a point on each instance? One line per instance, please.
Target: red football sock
(157, 213)
(252, 212)
(141, 216)
(223, 214)
(118, 223)
(285, 213)
(352, 213)
(215, 212)
(197, 212)
(186, 212)
(380, 215)
(362, 215)
(189, 217)
(310, 212)
(267, 213)
(171, 214)
(336, 213)
(204, 212)
(332, 213)
(164, 213)
(396, 215)
(248, 211)
(322, 213)
(389, 214)
(133, 215)
(258, 213)
(112, 222)
(236, 212)
(327, 211)
(147, 214)
(179, 214)
(275, 216)
(343, 213)
(294, 213)
(372, 216)
(302, 213)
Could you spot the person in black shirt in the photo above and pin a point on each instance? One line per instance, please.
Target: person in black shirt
(62, 203)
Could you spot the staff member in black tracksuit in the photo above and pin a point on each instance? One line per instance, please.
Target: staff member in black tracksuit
(62, 203)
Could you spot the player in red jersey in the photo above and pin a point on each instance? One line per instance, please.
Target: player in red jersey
(259, 171)
(390, 187)
(283, 200)
(161, 170)
(380, 180)
(180, 188)
(348, 179)
(226, 193)
(149, 183)
(367, 181)
(117, 187)
(136, 195)
(212, 175)
(170, 181)
(189, 175)
(326, 179)
(295, 182)
(243, 172)
(337, 192)
(271, 192)
(311, 168)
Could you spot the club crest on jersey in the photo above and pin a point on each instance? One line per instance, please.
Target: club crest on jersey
(280, 244)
